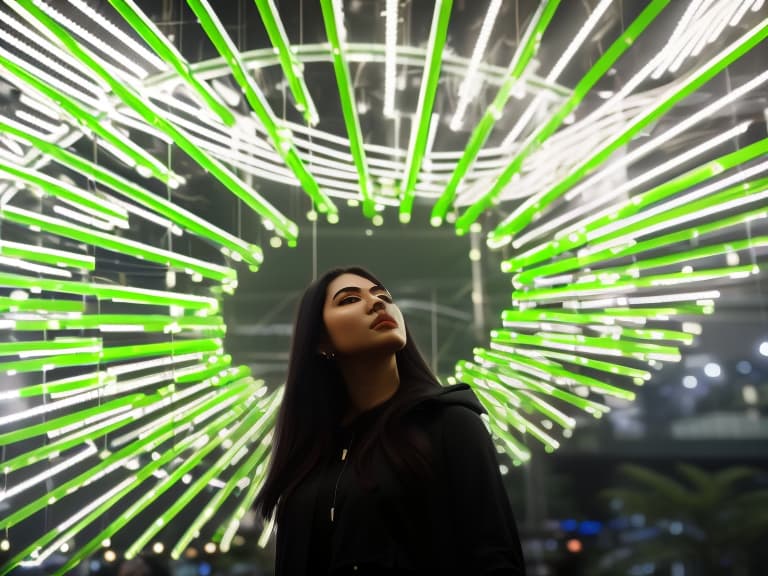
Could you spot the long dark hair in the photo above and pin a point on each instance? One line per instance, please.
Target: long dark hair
(315, 396)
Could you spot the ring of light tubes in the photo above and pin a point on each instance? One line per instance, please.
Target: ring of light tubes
(140, 400)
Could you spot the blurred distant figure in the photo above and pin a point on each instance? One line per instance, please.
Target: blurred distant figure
(143, 566)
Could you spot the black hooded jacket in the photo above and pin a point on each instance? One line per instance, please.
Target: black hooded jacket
(341, 520)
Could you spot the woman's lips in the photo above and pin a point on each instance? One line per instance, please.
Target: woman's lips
(383, 320)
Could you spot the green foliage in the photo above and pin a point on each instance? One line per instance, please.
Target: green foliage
(722, 512)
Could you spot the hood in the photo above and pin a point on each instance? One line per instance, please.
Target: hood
(458, 394)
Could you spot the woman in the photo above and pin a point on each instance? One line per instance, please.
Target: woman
(377, 468)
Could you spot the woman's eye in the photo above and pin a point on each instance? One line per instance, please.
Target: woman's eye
(386, 298)
(348, 300)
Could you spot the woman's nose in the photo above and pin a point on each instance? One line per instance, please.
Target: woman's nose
(377, 306)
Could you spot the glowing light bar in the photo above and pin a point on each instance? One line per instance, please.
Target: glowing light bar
(138, 157)
(182, 217)
(159, 433)
(121, 57)
(141, 23)
(112, 292)
(390, 58)
(279, 134)
(87, 200)
(154, 116)
(601, 67)
(47, 474)
(118, 244)
(201, 443)
(523, 215)
(678, 129)
(249, 428)
(86, 93)
(333, 18)
(557, 226)
(635, 205)
(470, 86)
(420, 126)
(292, 67)
(135, 48)
(523, 55)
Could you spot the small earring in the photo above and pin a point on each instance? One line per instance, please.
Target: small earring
(328, 355)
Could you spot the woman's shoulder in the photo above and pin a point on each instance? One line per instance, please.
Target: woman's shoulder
(452, 411)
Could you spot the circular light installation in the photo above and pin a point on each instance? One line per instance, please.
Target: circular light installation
(582, 324)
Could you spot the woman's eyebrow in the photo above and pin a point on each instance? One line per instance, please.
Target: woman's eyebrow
(346, 289)
(374, 288)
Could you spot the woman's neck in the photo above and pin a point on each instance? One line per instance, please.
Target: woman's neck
(369, 381)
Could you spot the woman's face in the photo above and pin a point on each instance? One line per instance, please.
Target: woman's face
(360, 318)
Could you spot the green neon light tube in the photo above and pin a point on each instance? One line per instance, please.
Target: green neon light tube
(123, 245)
(141, 475)
(248, 470)
(477, 377)
(512, 418)
(220, 364)
(245, 471)
(114, 353)
(246, 430)
(211, 325)
(421, 121)
(39, 304)
(714, 168)
(536, 316)
(539, 387)
(87, 200)
(741, 194)
(600, 68)
(536, 385)
(111, 354)
(211, 431)
(601, 287)
(145, 28)
(633, 271)
(56, 447)
(50, 362)
(279, 135)
(636, 374)
(660, 313)
(129, 401)
(156, 438)
(528, 276)
(51, 256)
(546, 320)
(553, 373)
(525, 52)
(77, 383)
(220, 498)
(9, 348)
(154, 117)
(348, 107)
(257, 477)
(548, 368)
(502, 364)
(590, 344)
(183, 218)
(86, 118)
(111, 292)
(291, 65)
(523, 215)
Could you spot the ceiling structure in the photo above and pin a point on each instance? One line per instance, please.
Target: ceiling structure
(586, 180)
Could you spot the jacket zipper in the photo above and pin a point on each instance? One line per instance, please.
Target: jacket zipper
(344, 454)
